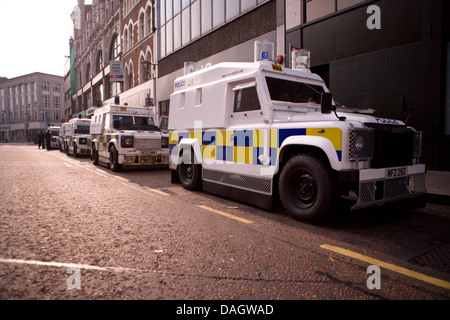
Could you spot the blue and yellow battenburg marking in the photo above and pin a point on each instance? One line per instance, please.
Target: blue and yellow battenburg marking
(245, 146)
(104, 140)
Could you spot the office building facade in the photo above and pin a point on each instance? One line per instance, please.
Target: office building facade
(373, 52)
(29, 104)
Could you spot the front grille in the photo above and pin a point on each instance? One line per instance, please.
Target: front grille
(374, 191)
(147, 144)
(393, 146)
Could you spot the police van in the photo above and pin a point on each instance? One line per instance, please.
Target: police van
(54, 137)
(252, 131)
(125, 135)
(77, 138)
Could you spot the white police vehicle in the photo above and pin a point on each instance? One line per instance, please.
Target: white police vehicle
(125, 135)
(77, 137)
(250, 131)
(54, 137)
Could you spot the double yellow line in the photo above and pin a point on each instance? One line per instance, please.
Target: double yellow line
(412, 274)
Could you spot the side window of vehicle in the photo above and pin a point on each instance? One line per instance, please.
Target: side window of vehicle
(246, 98)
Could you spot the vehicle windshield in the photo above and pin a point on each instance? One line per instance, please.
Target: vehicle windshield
(291, 91)
(134, 123)
(54, 133)
(83, 129)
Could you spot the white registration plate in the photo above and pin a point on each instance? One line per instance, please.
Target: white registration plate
(396, 172)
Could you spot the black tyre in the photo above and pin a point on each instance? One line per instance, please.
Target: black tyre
(94, 155)
(75, 150)
(114, 160)
(308, 188)
(190, 174)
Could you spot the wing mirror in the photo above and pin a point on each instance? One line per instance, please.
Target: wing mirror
(326, 103)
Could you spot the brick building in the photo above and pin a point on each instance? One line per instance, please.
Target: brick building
(96, 42)
(151, 40)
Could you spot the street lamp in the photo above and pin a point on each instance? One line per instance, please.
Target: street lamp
(146, 64)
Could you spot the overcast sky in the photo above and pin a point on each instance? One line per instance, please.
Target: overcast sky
(34, 36)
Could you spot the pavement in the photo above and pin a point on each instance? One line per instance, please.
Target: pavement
(438, 187)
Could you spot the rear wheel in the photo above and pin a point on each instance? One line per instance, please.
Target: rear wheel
(308, 188)
(94, 155)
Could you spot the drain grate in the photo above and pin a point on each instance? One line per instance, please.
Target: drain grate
(438, 258)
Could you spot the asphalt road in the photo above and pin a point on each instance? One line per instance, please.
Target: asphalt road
(72, 230)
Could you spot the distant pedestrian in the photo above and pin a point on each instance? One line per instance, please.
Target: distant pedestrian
(48, 137)
(41, 140)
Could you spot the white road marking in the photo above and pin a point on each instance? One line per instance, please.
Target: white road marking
(71, 265)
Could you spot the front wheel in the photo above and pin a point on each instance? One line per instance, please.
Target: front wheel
(308, 188)
(114, 159)
(190, 174)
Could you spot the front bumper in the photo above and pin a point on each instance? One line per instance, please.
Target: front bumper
(378, 186)
(83, 148)
(154, 160)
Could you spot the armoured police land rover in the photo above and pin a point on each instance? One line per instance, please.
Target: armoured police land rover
(127, 136)
(250, 131)
(77, 137)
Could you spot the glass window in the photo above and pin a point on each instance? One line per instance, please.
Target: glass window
(218, 13)
(162, 12)
(195, 16)
(177, 32)
(169, 38)
(115, 47)
(246, 99)
(319, 8)
(148, 20)
(184, 3)
(163, 41)
(342, 4)
(169, 9)
(45, 86)
(186, 28)
(141, 26)
(247, 5)
(232, 9)
(206, 16)
(100, 61)
(176, 7)
(82, 129)
(291, 91)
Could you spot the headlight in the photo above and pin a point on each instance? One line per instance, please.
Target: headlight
(83, 141)
(127, 142)
(164, 142)
(359, 143)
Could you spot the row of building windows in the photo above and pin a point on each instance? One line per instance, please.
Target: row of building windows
(145, 27)
(183, 21)
(30, 87)
(316, 9)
